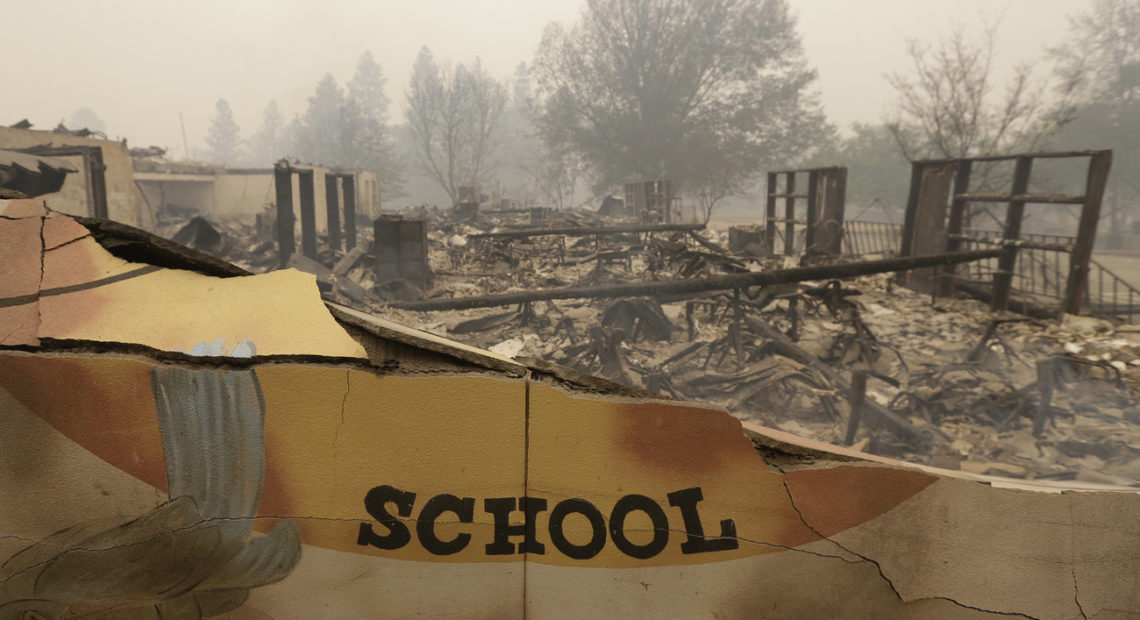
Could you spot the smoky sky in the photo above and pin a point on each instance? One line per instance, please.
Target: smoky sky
(141, 63)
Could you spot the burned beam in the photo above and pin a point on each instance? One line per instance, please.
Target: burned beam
(1028, 245)
(1077, 283)
(718, 283)
(93, 157)
(1043, 155)
(348, 188)
(578, 231)
(332, 209)
(286, 240)
(1054, 199)
(308, 193)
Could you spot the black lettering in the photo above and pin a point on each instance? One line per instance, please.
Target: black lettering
(628, 504)
(374, 503)
(585, 508)
(464, 508)
(502, 507)
(686, 500)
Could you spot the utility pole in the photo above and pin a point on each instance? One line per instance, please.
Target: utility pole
(185, 147)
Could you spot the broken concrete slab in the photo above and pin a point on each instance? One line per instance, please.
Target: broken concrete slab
(349, 260)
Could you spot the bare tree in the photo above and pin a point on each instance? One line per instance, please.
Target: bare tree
(553, 174)
(453, 115)
(947, 106)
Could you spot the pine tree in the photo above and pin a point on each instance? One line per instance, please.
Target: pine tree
(223, 139)
(268, 144)
(323, 135)
(369, 141)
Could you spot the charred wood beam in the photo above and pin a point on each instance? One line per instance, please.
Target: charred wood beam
(1056, 199)
(718, 283)
(1029, 245)
(348, 188)
(578, 231)
(1044, 155)
(823, 169)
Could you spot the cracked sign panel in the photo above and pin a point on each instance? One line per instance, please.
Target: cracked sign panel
(178, 444)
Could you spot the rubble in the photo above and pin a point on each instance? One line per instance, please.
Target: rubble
(666, 309)
(950, 383)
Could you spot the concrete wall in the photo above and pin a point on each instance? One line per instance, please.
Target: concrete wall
(125, 203)
(236, 194)
(195, 193)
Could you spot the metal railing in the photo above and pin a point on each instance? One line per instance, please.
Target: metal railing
(1040, 273)
(862, 238)
(1110, 296)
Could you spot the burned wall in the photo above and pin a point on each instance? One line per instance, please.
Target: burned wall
(125, 201)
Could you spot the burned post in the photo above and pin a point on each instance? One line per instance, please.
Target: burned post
(1077, 284)
(770, 212)
(1003, 279)
(824, 212)
(332, 208)
(349, 188)
(789, 213)
(283, 183)
(830, 220)
(308, 192)
(954, 227)
(93, 159)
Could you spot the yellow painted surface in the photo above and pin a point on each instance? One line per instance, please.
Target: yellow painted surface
(88, 434)
(341, 433)
(85, 293)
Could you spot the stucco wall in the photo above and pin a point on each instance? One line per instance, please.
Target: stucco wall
(237, 195)
(227, 194)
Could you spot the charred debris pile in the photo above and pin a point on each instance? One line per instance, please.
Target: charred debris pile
(948, 383)
(827, 345)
